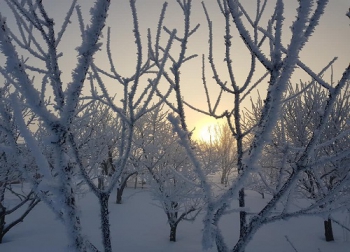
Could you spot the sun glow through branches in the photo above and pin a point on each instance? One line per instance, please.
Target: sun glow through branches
(205, 130)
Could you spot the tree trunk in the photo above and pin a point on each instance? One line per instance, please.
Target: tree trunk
(73, 225)
(173, 228)
(222, 181)
(120, 190)
(2, 221)
(328, 230)
(2, 210)
(105, 226)
(119, 195)
(242, 214)
(100, 184)
(71, 218)
(135, 185)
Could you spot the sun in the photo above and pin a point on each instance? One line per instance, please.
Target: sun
(207, 133)
(205, 130)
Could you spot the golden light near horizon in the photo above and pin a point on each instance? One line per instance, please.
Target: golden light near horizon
(205, 130)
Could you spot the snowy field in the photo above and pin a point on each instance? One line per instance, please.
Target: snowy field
(139, 225)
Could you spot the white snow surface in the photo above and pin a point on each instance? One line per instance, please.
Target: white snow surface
(139, 225)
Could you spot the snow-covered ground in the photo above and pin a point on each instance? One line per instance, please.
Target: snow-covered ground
(139, 225)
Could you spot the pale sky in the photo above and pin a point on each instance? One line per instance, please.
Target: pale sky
(330, 39)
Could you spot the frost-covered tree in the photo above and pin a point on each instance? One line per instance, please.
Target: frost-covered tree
(219, 152)
(225, 148)
(97, 131)
(327, 165)
(14, 156)
(139, 88)
(173, 182)
(55, 101)
(37, 38)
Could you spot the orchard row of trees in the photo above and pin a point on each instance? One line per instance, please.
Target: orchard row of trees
(292, 143)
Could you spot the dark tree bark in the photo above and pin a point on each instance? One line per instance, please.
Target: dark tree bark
(105, 226)
(120, 190)
(173, 228)
(222, 181)
(174, 220)
(100, 183)
(119, 195)
(328, 230)
(2, 221)
(135, 184)
(242, 214)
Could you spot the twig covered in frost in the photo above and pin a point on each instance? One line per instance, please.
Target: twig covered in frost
(290, 243)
